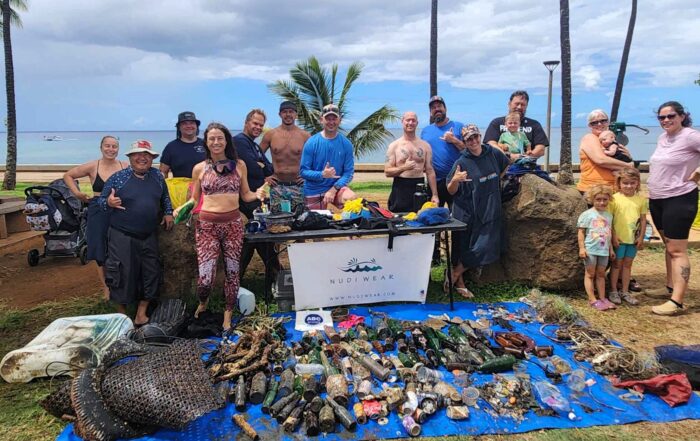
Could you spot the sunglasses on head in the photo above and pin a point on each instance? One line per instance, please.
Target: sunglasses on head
(670, 116)
(225, 167)
(598, 122)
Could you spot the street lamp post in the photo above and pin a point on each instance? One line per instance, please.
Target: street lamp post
(550, 65)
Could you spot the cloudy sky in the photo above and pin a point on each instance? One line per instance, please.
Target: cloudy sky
(134, 64)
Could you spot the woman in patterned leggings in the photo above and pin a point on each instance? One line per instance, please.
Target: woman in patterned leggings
(219, 180)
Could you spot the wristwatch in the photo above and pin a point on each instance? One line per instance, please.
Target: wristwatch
(337, 187)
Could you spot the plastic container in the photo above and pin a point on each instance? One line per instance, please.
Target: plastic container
(246, 301)
(562, 366)
(470, 395)
(427, 375)
(549, 395)
(577, 380)
(309, 369)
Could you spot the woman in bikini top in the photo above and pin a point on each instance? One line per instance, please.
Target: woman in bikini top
(219, 181)
(98, 171)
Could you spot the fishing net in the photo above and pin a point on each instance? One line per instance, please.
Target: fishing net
(58, 403)
(94, 420)
(168, 389)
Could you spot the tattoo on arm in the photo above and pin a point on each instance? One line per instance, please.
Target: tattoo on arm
(685, 273)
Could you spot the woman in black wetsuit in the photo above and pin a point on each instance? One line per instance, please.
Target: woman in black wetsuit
(475, 183)
(98, 171)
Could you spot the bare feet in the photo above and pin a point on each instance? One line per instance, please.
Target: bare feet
(141, 318)
(227, 320)
(200, 309)
(105, 288)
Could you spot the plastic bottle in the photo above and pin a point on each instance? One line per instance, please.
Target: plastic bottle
(470, 395)
(562, 366)
(427, 375)
(309, 369)
(246, 301)
(549, 394)
(577, 381)
(649, 232)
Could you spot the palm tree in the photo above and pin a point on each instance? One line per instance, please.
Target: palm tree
(9, 9)
(313, 86)
(433, 48)
(565, 175)
(623, 63)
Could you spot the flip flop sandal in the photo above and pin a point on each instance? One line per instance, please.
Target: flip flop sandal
(464, 292)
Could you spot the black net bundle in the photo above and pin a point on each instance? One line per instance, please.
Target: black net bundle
(166, 389)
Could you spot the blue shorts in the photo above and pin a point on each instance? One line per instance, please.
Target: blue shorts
(625, 250)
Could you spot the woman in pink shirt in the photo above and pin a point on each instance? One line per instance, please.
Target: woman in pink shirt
(673, 199)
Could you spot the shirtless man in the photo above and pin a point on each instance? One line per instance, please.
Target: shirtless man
(407, 160)
(285, 143)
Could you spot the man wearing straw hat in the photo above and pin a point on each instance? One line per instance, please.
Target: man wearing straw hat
(139, 201)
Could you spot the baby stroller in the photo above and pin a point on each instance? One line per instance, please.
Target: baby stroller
(57, 211)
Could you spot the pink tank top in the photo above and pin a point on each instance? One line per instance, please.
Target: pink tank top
(214, 183)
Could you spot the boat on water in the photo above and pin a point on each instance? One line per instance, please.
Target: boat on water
(53, 138)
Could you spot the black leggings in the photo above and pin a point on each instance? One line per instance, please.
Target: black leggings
(674, 216)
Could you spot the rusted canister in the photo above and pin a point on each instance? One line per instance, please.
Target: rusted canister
(340, 350)
(419, 416)
(337, 389)
(378, 346)
(359, 412)
(364, 389)
(544, 351)
(372, 408)
(410, 425)
(286, 383)
(401, 345)
(393, 396)
(310, 387)
(258, 388)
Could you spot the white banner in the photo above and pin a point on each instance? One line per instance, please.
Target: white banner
(352, 272)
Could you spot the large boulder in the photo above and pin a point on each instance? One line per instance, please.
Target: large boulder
(542, 247)
(179, 261)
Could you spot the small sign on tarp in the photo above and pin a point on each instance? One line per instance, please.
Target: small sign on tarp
(313, 320)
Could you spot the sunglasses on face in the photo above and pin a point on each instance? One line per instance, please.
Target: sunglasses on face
(225, 167)
(669, 117)
(599, 122)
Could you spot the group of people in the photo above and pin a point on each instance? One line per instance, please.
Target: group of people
(229, 175)
(614, 227)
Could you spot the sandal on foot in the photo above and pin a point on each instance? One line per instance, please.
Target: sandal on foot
(464, 292)
(608, 304)
(614, 297)
(659, 293)
(629, 298)
(669, 308)
(599, 305)
(635, 286)
(140, 325)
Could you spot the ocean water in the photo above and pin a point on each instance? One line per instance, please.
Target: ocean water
(79, 147)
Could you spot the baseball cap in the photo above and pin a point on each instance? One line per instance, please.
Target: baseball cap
(330, 109)
(288, 105)
(187, 116)
(470, 130)
(141, 145)
(435, 98)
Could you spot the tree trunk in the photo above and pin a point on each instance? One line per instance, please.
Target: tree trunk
(623, 63)
(433, 47)
(10, 179)
(565, 175)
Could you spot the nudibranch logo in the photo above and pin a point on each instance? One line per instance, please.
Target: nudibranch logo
(355, 266)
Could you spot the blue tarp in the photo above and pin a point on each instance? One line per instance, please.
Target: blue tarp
(218, 425)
